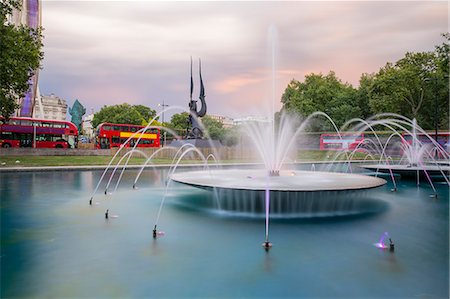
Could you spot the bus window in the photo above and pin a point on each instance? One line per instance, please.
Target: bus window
(104, 143)
(134, 129)
(26, 140)
(107, 128)
(116, 128)
(115, 139)
(25, 123)
(7, 135)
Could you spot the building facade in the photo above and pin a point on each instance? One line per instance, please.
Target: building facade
(52, 107)
(29, 14)
(250, 119)
(226, 121)
(88, 129)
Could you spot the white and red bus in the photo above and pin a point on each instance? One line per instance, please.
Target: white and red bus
(110, 135)
(346, 141)
(443, 138)
(37, 133)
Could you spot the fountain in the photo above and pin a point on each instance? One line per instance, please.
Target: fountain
(273, 191)
(417, 156)
(53, 244)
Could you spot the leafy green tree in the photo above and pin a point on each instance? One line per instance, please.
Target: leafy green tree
(231, 136)
(214, 128)
(120, 114)
(146, 112)
(408, 88)
(362, 95)
(179, 121)
(20, 55)
(441, 82)
(322, 93)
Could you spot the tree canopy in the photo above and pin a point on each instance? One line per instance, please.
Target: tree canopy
(20, 56)
(322, 93)
(415, 86)
(124, 114)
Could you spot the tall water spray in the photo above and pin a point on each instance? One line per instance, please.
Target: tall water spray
(272, 170)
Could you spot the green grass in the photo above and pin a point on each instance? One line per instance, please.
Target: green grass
(27, 161)
(36, 161)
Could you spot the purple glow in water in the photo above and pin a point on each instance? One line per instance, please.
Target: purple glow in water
(381, 243)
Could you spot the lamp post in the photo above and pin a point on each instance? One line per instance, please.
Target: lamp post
(163, 106)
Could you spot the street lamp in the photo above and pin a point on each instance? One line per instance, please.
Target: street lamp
(163, 107)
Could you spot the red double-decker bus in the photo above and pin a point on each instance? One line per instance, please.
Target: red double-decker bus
(346, 141)
(37, 133)
(443, 139)
(110, 135)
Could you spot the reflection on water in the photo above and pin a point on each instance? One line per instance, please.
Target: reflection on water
(53, 244)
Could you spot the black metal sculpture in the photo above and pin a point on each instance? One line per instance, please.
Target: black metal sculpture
(195, 131)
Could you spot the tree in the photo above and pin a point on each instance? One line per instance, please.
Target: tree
(231, 136)
(121, 114)
(20, 55)
(442, 80)
(179, 121)
(362, 95)
(411, 87)
(214, 128)
(146, 112)
(321, 93)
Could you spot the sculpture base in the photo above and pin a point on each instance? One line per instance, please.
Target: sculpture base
(200, 143)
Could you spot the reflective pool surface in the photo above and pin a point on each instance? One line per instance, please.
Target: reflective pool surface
(54, 245)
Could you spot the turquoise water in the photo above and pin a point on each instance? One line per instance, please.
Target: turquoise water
(54, 245)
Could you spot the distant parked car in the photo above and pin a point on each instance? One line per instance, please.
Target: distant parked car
(84, 139)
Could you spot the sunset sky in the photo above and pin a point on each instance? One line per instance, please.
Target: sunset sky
(111, 52)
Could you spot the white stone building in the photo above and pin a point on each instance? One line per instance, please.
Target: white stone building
(88, 129)
(250, 119)
(53, 107)
(226, 121)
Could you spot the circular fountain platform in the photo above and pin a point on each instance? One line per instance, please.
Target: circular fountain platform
(293, 193)
(288, 180)
(410, 170)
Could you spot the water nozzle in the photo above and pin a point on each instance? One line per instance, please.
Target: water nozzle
(154, 232)
(391, 245)
(267, 245)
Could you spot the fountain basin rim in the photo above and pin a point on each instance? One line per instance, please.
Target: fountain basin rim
(405, 170)
(288, 181)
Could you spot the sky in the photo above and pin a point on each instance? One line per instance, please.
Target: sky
(138, 52)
